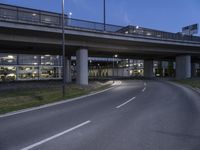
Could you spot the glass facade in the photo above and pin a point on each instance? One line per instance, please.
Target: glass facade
(29, 67)
(164, 68)
(122, 67)
(22, 67)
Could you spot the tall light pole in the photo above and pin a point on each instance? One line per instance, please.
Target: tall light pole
(104, 15)
(63, 48)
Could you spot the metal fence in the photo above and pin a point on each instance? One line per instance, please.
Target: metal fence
(32, 16)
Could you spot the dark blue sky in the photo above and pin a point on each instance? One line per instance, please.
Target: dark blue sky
(168, 15)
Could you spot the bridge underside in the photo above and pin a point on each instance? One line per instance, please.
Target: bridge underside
(136, 53)
(83, 44)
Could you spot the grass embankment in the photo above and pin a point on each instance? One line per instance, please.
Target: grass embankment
(16, 99)
(191, 82)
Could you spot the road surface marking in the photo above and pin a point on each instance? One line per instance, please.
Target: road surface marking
(56, 136)
(145, 83)
(125, 102)
(143, 89)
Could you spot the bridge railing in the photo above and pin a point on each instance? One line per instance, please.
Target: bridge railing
(25, 15)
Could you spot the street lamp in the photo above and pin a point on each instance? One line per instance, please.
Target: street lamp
(70, 14)
(104, 15)
(115, 56)
(63, 49)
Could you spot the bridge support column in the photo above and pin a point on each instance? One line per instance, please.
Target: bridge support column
(68, 70)
(183, 67)
(148, 68)
(82, 66)
(194, 69)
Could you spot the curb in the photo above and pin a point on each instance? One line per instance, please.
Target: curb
(197, 90)
(115, 84)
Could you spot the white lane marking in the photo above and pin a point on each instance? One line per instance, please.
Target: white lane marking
(126, 102)
(116, 83)
(143, 89)
(58, 103)
(56, 136)
(145, 83)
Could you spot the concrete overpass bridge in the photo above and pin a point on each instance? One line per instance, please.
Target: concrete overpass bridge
(30, 31)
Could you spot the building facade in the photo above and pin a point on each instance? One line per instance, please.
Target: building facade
(26, 67)
(29, 67)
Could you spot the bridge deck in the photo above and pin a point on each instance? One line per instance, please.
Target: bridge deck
(51, 19)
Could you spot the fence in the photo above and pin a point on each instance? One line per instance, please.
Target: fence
(25, 15)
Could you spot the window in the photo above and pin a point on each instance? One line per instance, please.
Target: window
(7, 59)
(29, 60)
(28, 73)
(7, 73)
(51, 60)
(50, 72)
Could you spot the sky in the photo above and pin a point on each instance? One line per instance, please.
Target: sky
(166, 15)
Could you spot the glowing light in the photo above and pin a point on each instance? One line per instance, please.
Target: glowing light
(34, 14)
(148, 33)
(10, 56)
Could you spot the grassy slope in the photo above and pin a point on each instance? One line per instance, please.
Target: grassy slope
(192, 82)
(17, 99)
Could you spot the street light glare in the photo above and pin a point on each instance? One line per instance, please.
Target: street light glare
(116, 56)
(34, 14)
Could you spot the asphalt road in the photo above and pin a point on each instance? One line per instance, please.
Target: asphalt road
(137, 115)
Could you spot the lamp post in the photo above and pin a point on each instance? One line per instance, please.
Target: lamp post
(63, 49)
(104, 15)
(115, 56)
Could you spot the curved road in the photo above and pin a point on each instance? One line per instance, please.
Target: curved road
(137, 115)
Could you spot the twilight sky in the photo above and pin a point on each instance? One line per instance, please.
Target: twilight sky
(167, 15)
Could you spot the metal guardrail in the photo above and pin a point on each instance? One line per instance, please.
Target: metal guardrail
(33, 16)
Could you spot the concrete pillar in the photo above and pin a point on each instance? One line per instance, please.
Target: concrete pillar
(129, 67)
(82, 66)
(194, 69)
(183, 67)
(68, 70)
(148, 69)
(164, 67)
